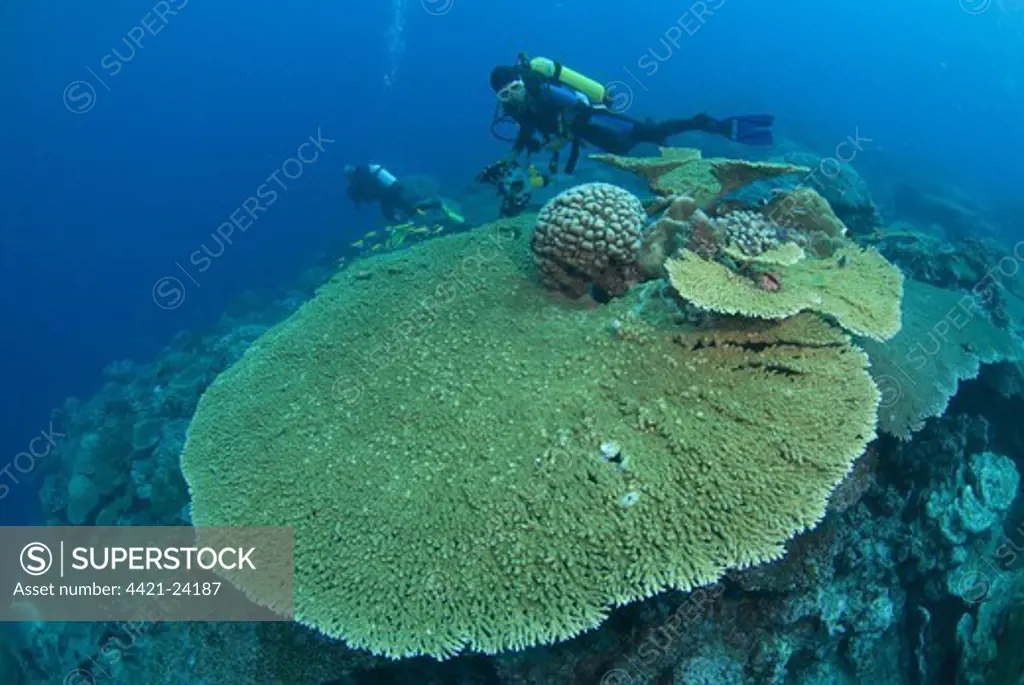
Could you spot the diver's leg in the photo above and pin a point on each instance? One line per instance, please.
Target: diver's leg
(574, 157)
(619, 134)
(753, 129)
(611, 132)
(659, 132)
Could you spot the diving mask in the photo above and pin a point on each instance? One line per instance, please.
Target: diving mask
(513, 93)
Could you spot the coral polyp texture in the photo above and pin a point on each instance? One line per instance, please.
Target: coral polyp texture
(947, 335)
(586, 235)
(857, 287)
(684, 171)
(470, 464)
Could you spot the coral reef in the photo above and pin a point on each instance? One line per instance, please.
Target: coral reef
(120, 466)
(845, 191)
(983, 489)
(666, 236)
(682, 171)
(946, 337)
(589, 235)
(806, 211)
(961, 554)
(443, 467)
(119, 462)
(789, 256)
(865, 597)
(956, 220)
(858, 288)
(556, 457)
(931, 260)
(977, 264)
(752, 237)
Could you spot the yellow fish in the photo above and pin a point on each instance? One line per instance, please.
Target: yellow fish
(375, 247)
(371, 234)
(438, 229)
(452, 214)
(358, 243)
(419, 229)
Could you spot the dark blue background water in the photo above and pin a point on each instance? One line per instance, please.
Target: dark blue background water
(97, 206)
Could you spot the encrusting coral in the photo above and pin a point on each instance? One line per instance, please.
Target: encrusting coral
(589, 234)
(436, 430)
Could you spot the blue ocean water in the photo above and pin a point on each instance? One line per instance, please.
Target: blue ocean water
(133, 131)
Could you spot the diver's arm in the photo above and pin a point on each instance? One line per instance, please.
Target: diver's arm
(526, 139)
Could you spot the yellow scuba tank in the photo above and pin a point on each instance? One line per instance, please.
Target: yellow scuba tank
(575, 80)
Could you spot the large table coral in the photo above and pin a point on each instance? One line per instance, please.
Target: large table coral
(856, 287)
(469, 463)
(684, 171)
(946, 337)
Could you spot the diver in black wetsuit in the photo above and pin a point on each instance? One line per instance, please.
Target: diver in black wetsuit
(373, 183)
(553, 105)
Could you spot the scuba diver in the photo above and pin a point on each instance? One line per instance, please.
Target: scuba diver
(398, 203)
(554, 105)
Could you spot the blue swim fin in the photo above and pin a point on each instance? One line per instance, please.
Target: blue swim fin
(752, 129)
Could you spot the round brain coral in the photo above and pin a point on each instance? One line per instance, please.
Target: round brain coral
(589, 234)
(436, 429)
